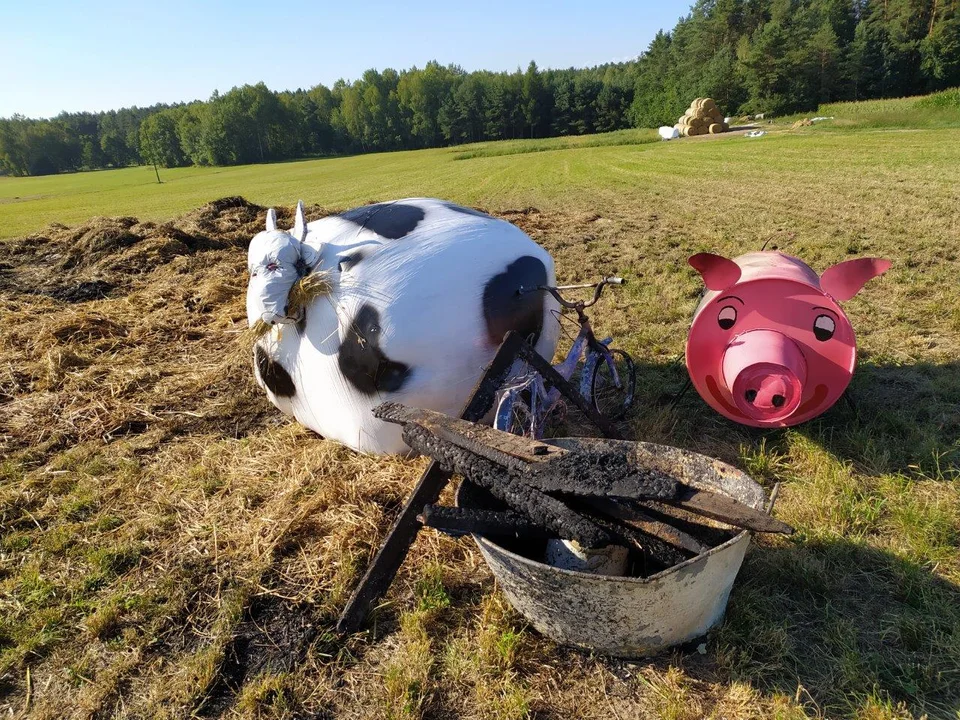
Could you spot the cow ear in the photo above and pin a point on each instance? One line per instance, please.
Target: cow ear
(271, 219)
(717, 271)
(844, 280)
(300, 223)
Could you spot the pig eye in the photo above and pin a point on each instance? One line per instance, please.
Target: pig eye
(824, 327)
(272, 266)
(727, 317)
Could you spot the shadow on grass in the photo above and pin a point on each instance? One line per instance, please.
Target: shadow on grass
(847, 623)
(896, 419)
(829, 615)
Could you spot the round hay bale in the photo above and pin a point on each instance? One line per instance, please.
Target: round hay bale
(716, 128)
(708, 104)
(726, 126)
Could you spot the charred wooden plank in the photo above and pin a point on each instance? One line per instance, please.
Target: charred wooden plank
(600, 475)
(704, 530)
(503, 448)
(465, 521)
(603, 471)
(726, 509)
(542, 509)
(652, 547)
(633, 517)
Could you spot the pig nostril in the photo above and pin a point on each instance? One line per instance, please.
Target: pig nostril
(778, 400)
(750, 395)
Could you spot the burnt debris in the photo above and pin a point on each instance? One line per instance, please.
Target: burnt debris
(459, 521)
(594, 492)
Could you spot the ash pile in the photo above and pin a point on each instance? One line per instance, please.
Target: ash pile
(702, 117)
(607, 507)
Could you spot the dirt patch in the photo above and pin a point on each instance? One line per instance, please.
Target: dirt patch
(269, 638)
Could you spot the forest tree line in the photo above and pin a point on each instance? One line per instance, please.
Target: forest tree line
(771, 56)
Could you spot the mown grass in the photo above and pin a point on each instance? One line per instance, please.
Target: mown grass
(937, 111)
(165, 535)
(520, 147)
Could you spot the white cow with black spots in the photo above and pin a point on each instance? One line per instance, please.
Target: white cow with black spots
(422, 293)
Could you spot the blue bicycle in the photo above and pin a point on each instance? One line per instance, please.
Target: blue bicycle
(607, 379)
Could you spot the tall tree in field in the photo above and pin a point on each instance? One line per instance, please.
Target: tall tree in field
(532, 97)
(159, 143)
(940, 48)
(14, 153)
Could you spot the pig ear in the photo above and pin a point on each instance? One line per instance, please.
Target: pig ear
(843, 281)
(717, 271)
(300, 223)
(271, 219)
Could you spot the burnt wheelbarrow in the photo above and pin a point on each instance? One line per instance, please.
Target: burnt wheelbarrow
(644, 540)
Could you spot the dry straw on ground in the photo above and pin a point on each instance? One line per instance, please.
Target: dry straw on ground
(172, 546)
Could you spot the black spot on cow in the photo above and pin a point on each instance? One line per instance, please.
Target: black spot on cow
(465, 210)
(272, 374)
(361, 360)
(504, 309)
(389, 220)
(347, 262)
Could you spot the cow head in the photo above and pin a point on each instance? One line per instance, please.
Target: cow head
(276, 259)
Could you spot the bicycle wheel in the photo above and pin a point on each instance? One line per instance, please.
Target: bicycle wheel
(611, 399)
(520, 422)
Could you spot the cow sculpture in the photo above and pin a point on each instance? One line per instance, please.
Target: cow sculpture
(420, 294)
(769, 345)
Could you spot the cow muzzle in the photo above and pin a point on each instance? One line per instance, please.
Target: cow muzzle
(765, 371)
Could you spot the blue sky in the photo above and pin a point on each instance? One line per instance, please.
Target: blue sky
(68, 55)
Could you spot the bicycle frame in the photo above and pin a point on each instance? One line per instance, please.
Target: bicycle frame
(542, 401)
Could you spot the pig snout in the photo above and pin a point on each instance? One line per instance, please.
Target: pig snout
(766, 371)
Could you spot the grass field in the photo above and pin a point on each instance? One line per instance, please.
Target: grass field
(167, 536)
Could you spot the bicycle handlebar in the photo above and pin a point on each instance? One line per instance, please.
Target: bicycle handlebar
(580, 304)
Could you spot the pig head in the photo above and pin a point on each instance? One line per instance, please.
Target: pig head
(769, 345)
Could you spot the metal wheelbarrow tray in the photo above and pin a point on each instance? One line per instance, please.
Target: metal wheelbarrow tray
(558, 484)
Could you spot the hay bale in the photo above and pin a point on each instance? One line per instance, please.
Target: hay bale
(700, 119)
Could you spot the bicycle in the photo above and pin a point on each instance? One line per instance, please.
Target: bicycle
(607, 380)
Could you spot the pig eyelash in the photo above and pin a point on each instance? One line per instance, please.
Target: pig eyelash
(824, 327)
(727, 317)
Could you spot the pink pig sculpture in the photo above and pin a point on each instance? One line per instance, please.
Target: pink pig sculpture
(769, 345)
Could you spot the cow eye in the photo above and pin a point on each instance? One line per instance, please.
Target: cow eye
(824, 327)
(727, 317)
